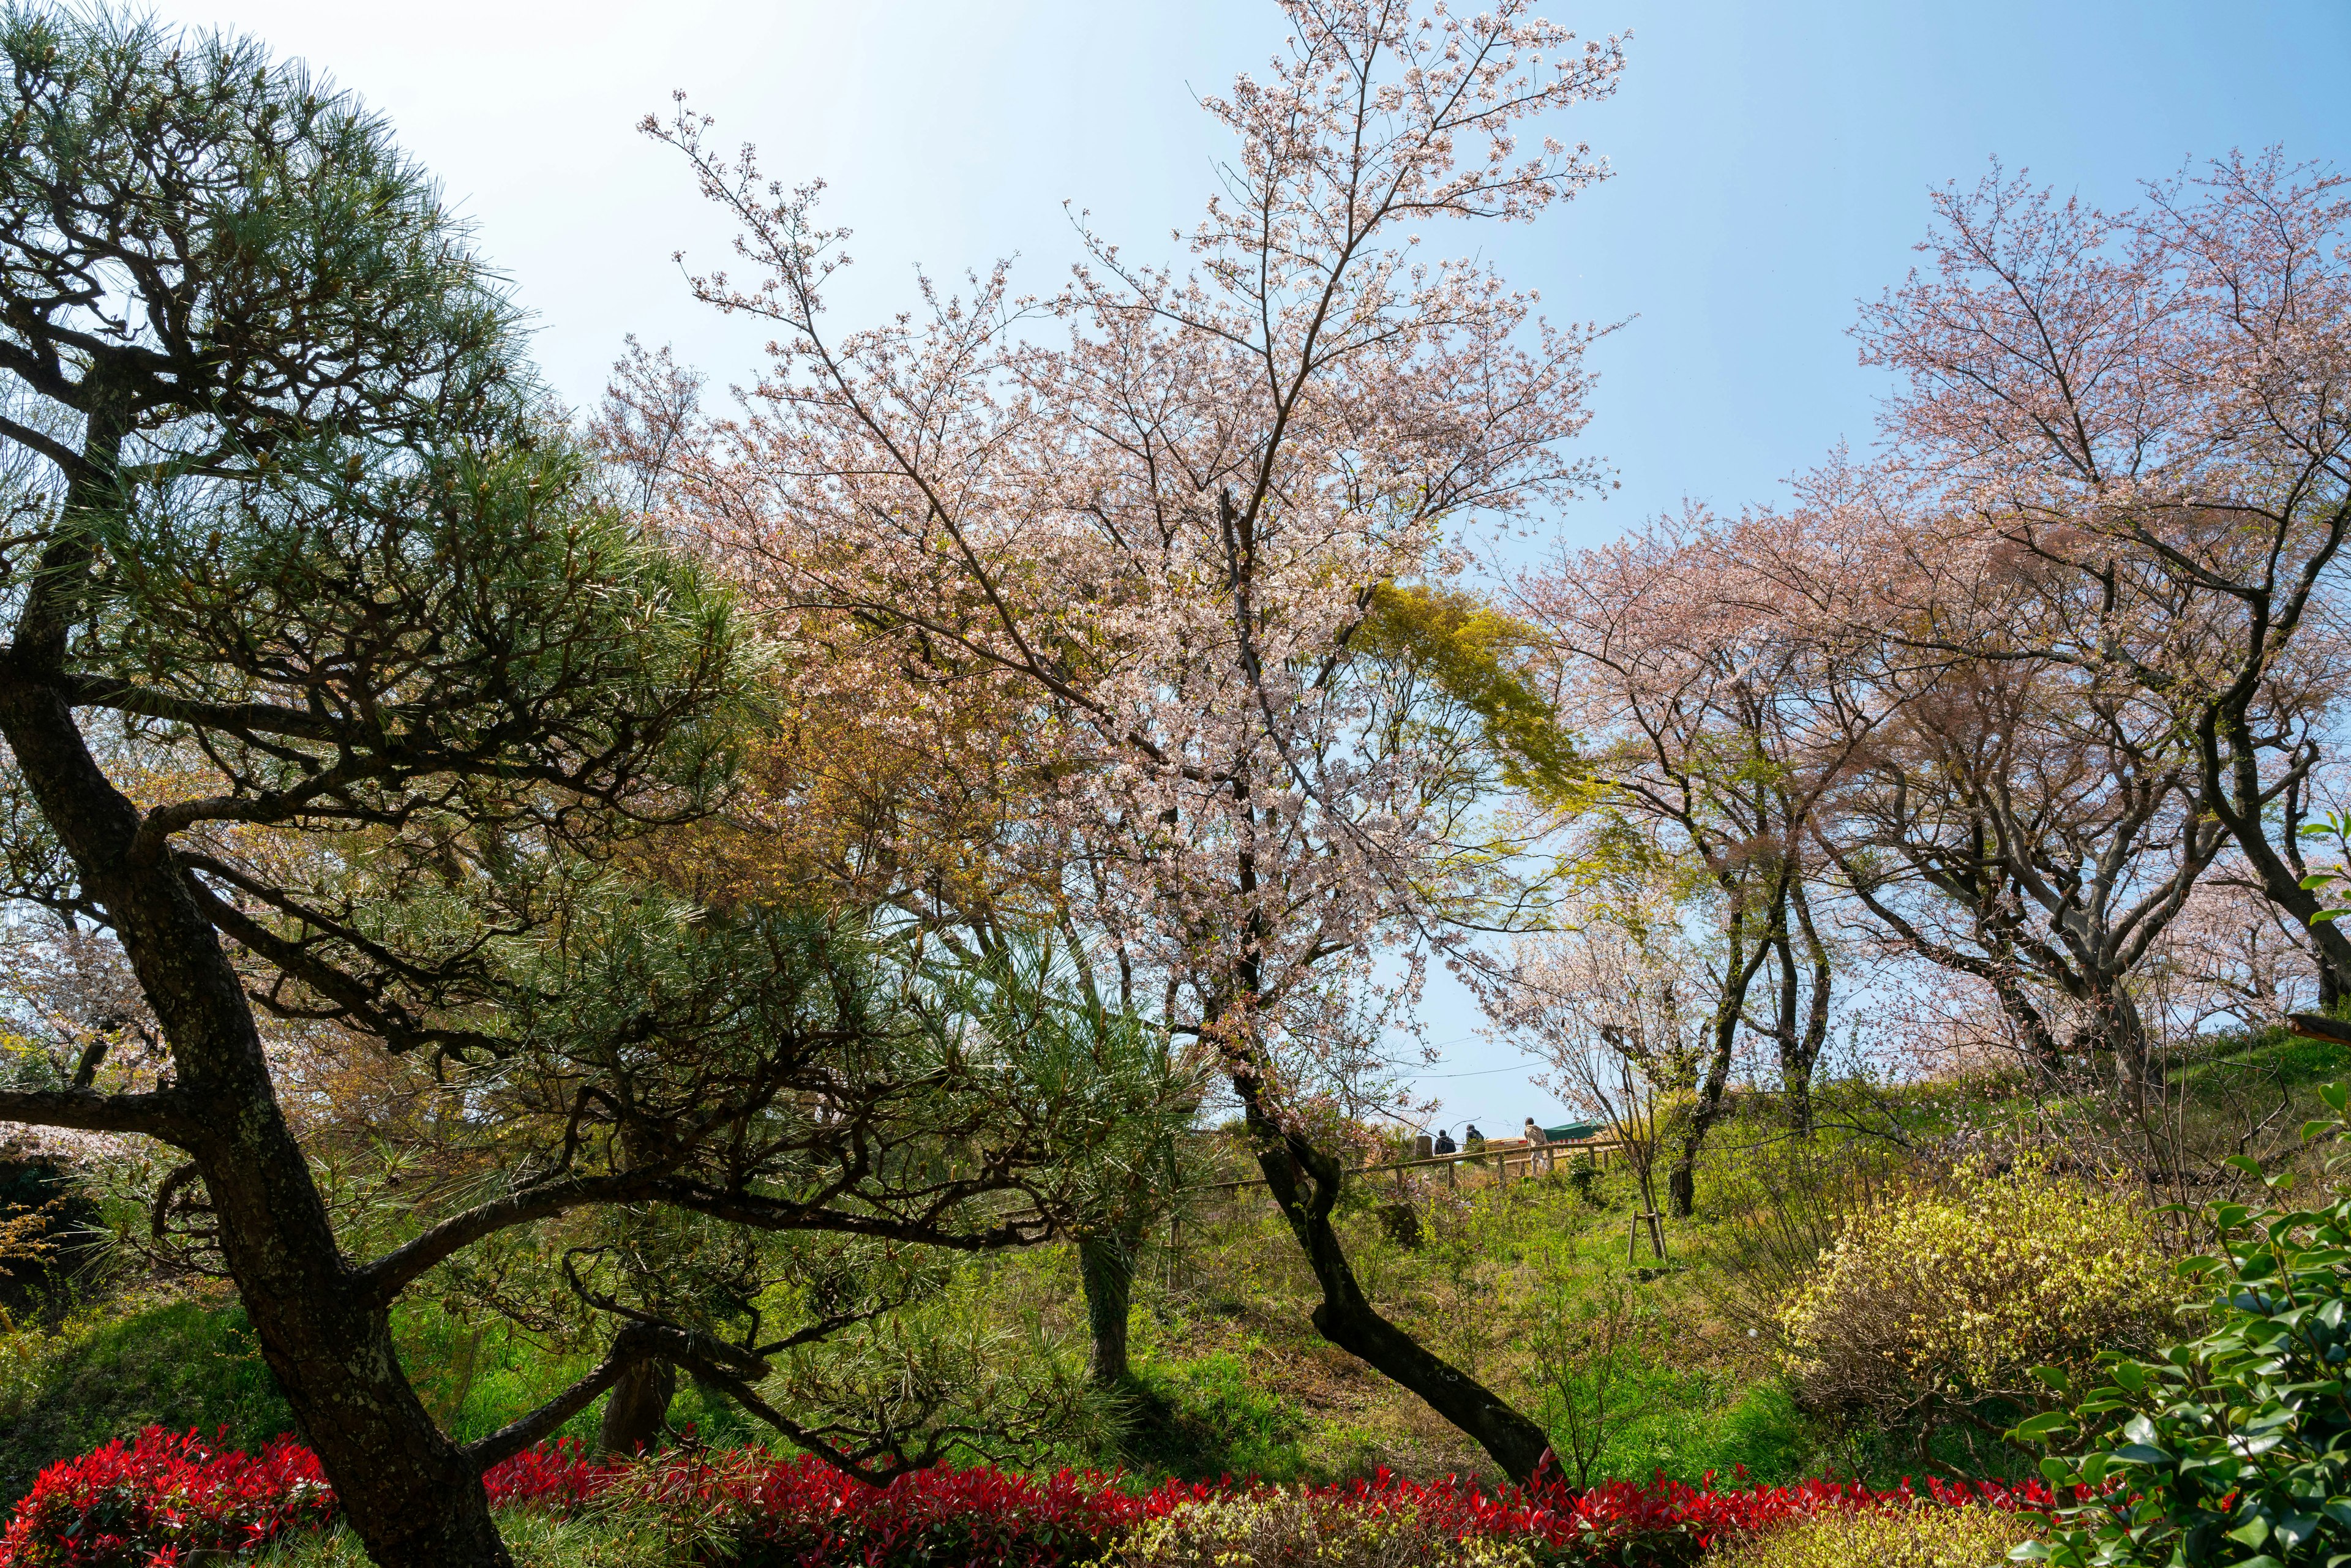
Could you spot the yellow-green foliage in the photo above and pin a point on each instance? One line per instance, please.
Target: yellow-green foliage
(1950, 1296)
(1471, 652)
(1286, 1530)
(535, 1540)
(1925, 1537)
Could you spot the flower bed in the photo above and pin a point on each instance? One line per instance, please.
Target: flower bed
(163, 1497)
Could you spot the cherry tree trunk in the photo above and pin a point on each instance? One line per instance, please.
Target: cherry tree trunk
(1346, 1317)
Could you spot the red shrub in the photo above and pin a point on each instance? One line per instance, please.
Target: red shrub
(798, 1511)
(165, 1496)
(1669, 1522)
(1664, 1522)
(554, 1477)
(162, 1498)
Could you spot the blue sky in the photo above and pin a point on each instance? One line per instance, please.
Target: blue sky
(1773, 164)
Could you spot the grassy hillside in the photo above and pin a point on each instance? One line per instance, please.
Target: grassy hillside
(1230, 1375)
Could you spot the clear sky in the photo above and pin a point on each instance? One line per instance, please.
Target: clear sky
(1773, 164)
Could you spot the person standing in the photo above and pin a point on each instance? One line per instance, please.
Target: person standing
(1536, 1140)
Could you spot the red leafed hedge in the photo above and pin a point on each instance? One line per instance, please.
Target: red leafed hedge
(796, 1511)
(1669, 1522)
(164, 1495)
(160, 1498)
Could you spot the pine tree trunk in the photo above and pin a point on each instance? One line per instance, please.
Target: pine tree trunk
(1106, 1270)
(636, 1413)
(413, 1498)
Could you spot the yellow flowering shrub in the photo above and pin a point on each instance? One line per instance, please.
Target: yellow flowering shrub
(1941, 1301)
(1969, 1537)
(1289, 1530)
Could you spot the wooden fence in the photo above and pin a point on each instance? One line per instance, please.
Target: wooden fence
(1500, 1155)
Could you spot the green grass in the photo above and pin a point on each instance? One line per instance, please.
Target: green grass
(475, 1377)
(1207, 1417)
(178, 1363)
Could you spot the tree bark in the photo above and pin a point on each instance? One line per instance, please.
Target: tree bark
(1106, 1270)
(1800, 1049)
(636, 1413)
(2231, 784)
(1681, 1179)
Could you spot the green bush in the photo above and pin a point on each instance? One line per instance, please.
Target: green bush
(1924, 1537)
(2234, 1447)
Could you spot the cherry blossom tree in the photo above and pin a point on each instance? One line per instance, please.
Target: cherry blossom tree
(1701, 696)
(2144, 411)
(2022, 819)
(1619, 1001)
(1149, 515)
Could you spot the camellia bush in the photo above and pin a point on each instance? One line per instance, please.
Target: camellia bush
(1938, 1304)
(2235, 1446)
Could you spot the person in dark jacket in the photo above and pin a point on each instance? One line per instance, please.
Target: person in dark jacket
(1444, 1141)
